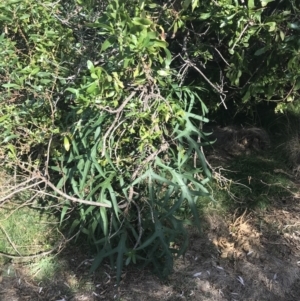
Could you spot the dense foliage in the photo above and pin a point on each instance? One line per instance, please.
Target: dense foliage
(105, 101)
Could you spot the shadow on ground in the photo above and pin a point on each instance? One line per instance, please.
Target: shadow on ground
(254, 256)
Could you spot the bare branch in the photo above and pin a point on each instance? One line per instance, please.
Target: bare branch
(217, 88)
(70, 198)
(10, 241)
(14, 192)
(240, 36)
(221, 56)
(38, 176)
(118, 112)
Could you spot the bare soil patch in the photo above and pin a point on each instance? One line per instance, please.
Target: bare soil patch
(255, 256)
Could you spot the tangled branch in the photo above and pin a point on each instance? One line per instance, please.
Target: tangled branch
(37, 178)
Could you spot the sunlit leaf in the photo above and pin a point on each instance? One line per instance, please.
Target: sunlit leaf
(141, 21)
(265, 2)
(205, 16)
(11, 86)
(66, 143)
(90, 65)
(106, 44)
(251, 4)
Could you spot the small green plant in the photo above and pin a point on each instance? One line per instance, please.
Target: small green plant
(46, 268)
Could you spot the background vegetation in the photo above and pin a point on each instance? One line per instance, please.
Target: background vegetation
(103, 105)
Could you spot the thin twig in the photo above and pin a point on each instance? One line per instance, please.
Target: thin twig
(58, 245)
(29, 256)
(203, 75)
(215, 87)
(139, 225)
(20, 189)
(38, 176)
(70, 198)
(240, 36)
(10, 241)
(17, 186)
(27, 203)
(221, 56)
(118, 112)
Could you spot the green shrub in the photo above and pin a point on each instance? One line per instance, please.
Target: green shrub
(109, 126)
(102, 103)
